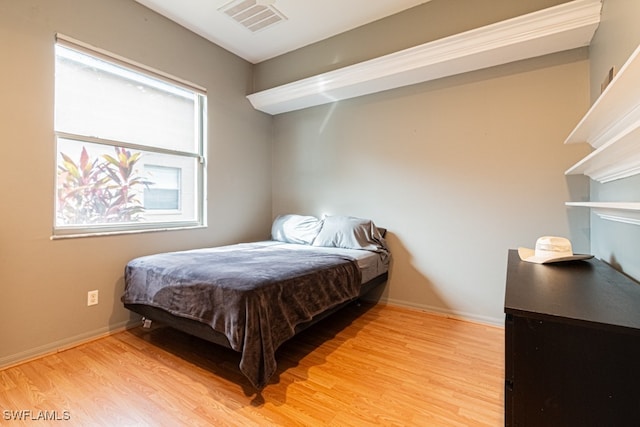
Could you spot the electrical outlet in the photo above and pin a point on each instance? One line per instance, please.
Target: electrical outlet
(92, 297)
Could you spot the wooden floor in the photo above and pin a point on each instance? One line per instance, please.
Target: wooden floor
(366, 365)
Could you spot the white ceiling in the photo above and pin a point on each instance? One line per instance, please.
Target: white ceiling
(308, 21)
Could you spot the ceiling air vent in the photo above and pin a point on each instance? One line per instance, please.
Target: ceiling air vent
(254, 15)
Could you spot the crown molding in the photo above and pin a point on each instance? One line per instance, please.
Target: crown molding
(563, 27)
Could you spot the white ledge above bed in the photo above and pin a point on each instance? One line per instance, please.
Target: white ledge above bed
(563, 27)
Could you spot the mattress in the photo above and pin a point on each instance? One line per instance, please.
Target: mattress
(371, 264)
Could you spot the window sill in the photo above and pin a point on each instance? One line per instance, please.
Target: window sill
(123, 232)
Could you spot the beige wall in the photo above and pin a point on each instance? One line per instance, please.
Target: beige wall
(44, 283)
(459, 170)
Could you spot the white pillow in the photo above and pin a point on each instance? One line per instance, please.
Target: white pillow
(350, 233)
(291, 228)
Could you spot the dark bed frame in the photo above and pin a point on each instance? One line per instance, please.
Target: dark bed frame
(206, 332)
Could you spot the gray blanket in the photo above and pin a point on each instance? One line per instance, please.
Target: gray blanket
(255, 295)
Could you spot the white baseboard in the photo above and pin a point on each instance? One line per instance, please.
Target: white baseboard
(454, 314)
(64, 344)
(67, 343)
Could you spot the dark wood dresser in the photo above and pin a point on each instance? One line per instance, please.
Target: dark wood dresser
(572, 345)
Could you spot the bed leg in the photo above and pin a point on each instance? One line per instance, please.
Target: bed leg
(146, 323)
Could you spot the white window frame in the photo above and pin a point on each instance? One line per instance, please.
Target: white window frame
(70, 231)
(160, 211)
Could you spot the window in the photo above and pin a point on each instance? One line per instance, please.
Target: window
(165, 194)
(129, 143)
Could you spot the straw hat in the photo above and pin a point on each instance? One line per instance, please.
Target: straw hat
(550, 249)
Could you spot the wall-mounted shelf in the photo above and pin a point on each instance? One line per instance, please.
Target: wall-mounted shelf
(612, 127)
(562, 27)
(613, 211)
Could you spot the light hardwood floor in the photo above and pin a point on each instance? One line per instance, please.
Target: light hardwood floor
(366, 365)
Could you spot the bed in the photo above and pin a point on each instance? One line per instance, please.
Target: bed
(252, 297)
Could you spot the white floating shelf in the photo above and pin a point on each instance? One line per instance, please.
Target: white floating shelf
(621, 212)
(562, 27)
(612, 127)
(616, 159)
